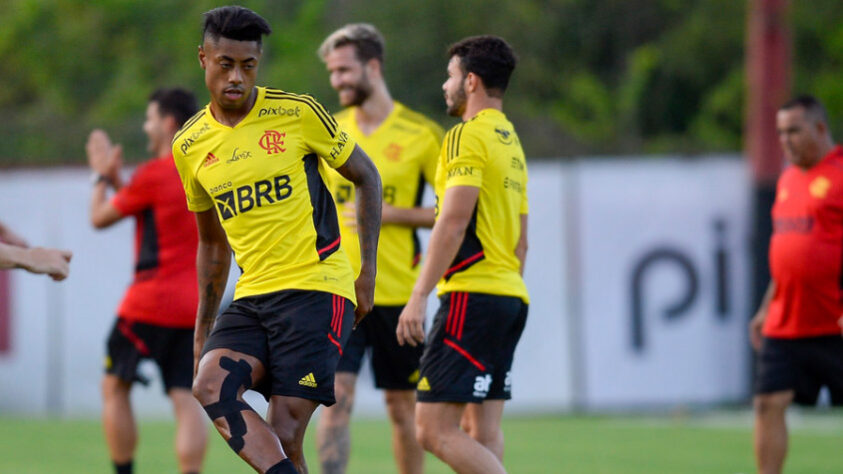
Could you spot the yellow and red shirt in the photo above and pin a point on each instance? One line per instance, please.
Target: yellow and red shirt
(264, 179)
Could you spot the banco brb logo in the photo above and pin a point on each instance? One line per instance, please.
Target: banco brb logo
(249, 196)
(271, 141)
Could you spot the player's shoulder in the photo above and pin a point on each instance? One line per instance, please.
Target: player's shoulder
(191, 131)
(273, 94)
(417, 119)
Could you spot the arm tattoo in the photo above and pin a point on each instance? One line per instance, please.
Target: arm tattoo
(212, 270)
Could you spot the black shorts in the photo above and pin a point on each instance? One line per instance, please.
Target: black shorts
(170, 348)
(297, 335)
(395, 367)
(470, 348)
(803, 365)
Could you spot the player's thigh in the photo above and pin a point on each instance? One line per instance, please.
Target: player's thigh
(395, 367)
(484, 418)
(289, 417)
(125, 348)
(305, 333)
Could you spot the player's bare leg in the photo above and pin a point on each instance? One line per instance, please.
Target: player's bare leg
(482, 421)
(438, 431)
(191, 431)
(219, 385)
(289, 417)
(771, 430)
(333, 439)
(401, 407)
(118, 422)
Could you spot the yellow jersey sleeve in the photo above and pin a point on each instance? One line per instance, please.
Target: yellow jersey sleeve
(198, 199)
(466, 157)
(324, 136)
(432, 154)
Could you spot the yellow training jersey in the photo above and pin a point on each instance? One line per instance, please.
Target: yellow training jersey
(263, 178)
(485, 153)
(404, 148)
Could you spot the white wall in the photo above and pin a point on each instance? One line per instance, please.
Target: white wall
(590, 221)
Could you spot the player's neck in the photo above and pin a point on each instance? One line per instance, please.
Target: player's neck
(231, 117)
(475, 103)
(377, 107)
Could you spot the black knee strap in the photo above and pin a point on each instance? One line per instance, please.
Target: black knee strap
(239, 375)
(284, 467)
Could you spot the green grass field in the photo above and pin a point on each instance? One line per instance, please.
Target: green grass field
(547, 444)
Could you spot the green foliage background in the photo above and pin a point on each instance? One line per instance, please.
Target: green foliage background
(595, 77)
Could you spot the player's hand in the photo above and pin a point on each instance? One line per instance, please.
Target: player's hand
(349, 215)
(755, 325)
(114, 164)
(840, 323)
(98, 148)
(53, 262)
(364, 289)
(410, 328)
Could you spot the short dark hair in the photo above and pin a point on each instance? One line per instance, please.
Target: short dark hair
(235, 23)
(490, 57)
(367, 41)
(177, 102)
(810, 104)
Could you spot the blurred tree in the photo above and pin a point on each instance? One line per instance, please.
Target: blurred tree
(595, 76)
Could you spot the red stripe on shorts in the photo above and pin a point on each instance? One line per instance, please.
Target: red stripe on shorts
(463, 306)
(453, 345)
(339, 347)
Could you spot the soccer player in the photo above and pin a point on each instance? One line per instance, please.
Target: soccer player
(251, 164)
(16, 253)
(476, 252)
(795, 330)
(156, 317)
(404, 146)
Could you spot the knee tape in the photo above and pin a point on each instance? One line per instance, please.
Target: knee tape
(229, 407)
(284, 467)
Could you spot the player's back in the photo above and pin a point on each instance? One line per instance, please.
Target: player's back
(163, 290)
(485, 152)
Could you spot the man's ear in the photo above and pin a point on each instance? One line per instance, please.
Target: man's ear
(472, 82)
(202, 57)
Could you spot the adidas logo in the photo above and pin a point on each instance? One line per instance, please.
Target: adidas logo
(423, 385)
(414, 377)
(308, 380)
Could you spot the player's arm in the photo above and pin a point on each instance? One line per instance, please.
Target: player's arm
(53, 262)
(521, 248)
(7, 236)
(757, 322)
(360, 170)
(448, 233)
(213, 257)
(103, 213)
(409, 216)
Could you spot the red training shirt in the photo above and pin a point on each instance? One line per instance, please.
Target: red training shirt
(164, 290)
(806, 251)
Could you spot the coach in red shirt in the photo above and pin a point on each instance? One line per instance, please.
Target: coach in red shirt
(156, 317)
(796, 330)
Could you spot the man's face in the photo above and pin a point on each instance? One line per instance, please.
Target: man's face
(231, 68)
(800, 136)
(156, 128)
(454, 88)
(348, 76)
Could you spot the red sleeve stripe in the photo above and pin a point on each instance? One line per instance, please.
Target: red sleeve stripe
(453, 345)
